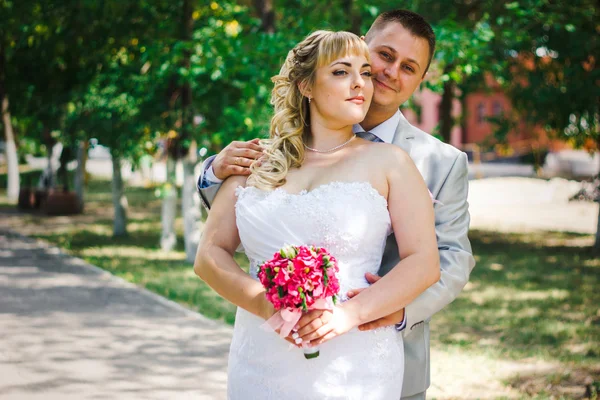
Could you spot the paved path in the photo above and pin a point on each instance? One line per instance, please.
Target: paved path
(69, 330)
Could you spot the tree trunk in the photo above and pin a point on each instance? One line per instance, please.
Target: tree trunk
(80, 172)
(119, 199)
(168, 239)
(446, 120)
(597, 243)
(267, 15)
(190, 205)
(54, 150)
(12, 159)
(353, 17)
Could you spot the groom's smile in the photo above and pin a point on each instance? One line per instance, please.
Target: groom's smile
(398, 61)
(382, 86)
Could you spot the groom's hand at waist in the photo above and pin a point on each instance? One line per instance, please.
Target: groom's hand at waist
(236, 158)
(388, 320)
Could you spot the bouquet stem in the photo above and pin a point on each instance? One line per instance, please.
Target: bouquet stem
(311, 352)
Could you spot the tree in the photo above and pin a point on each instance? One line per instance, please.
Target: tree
(11, 148)
(552, 76)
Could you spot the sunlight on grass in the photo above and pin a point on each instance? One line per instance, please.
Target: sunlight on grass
(591, 263)
(544, 305)
(491, 294)
(131, 252)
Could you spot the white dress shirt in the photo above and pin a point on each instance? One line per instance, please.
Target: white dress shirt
(385, 130)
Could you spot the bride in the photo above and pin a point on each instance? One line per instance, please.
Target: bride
(320, 184)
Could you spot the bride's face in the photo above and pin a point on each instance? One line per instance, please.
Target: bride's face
(342, 92)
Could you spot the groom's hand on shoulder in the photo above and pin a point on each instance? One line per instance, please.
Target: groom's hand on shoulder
(388, 320)
(236, 158)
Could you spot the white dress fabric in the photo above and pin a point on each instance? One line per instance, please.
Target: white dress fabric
(351, 220)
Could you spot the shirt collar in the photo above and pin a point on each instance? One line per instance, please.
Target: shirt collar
(385, 130)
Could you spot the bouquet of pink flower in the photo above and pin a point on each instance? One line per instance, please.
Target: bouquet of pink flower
(298, 279)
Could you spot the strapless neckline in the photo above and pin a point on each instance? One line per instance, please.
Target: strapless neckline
(320, 188)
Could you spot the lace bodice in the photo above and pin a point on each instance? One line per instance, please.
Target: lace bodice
(350, 219)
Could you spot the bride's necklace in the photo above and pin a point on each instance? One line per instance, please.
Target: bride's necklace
(333, 148)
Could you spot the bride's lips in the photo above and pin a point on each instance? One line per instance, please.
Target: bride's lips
(356, 100)
(383, 85)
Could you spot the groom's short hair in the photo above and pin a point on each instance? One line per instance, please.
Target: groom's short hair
(411, 21)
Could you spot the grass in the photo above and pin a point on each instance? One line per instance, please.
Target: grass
(530, 297)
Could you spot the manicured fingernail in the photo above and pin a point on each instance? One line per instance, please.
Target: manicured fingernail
(298, 340)
(295, 335)
(295, 328)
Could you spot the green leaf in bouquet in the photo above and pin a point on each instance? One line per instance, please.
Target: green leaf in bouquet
(303, 297)
(280, 292)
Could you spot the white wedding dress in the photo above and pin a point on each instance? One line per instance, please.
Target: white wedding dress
(351, 220)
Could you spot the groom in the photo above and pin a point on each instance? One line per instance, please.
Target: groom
(401, 44)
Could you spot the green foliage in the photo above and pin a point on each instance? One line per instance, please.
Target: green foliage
(462, 51)
(551, 73)
(114, 70)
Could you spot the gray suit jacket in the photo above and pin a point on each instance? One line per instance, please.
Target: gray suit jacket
(444, 169)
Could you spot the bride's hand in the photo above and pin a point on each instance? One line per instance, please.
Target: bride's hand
(327, 325)
(267, 311)
(309, 323)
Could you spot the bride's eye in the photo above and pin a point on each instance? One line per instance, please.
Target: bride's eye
(339, 72)
(367, 74)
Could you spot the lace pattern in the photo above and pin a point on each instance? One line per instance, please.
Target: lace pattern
(352, 221)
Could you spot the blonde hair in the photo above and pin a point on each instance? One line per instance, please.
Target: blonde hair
(290, 125)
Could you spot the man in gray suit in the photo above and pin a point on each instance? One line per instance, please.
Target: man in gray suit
(401, 44)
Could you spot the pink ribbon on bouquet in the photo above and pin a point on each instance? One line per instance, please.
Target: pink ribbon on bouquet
(287, 318)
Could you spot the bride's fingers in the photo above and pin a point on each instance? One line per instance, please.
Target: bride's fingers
(319, 333)
(310, 325)
(325, 338)
(291, 341)
(317, 323)
(308, 318)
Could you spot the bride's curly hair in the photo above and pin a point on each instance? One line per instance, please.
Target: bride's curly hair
(290, 125)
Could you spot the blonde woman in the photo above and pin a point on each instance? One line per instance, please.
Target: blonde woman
(320, 184)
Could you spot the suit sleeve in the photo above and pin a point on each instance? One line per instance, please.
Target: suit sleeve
(207, 190)
(456, 258)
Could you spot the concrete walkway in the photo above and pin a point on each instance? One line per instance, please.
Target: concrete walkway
(69, 330)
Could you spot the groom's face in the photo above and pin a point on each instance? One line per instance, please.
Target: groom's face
(398, 63)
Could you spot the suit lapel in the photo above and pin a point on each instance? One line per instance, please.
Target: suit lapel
(404, 136)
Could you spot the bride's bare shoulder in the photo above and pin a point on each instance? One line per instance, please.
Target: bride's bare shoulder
(387, 155)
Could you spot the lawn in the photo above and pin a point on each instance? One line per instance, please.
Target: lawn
(531, 296)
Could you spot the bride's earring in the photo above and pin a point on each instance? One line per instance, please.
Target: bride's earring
(309, 100)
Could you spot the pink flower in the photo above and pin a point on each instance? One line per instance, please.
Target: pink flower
(296, 277)
(282, 277)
